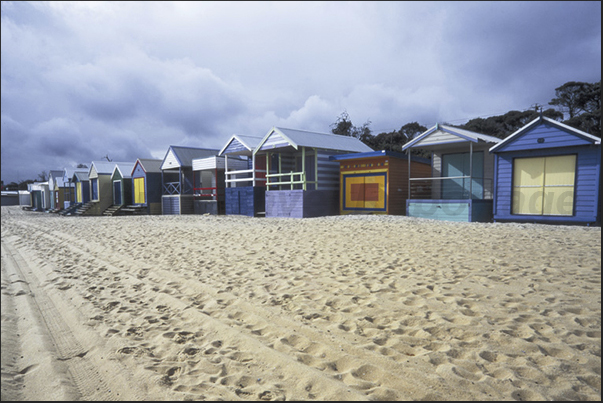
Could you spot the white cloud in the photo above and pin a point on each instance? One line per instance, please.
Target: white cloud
(129, 78)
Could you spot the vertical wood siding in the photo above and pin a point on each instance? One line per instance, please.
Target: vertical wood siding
(587, 184)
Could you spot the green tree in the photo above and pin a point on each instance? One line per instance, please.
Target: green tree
(589, 102)
(570, 97)
(503, 125)
(343, 125)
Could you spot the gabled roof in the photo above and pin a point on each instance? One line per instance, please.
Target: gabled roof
(80, 176)
(124, 168)
(68, 172)
(301, 138)
(104, 167)
(542, 119)
(184, 156)
(55, 173)
(247, 141)
(454, 135)
(148, 165)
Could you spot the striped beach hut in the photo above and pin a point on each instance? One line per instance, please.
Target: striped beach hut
(460, 187)
(245, 176)
(376, 182)
(178, 180)
(301, 180)
(208, 183)
(548, 172)
(146, 179)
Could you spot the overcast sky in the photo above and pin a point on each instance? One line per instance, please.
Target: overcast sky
(129, 79)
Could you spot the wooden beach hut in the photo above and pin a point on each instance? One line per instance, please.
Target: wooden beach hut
(548, 172)
(56, 188)
(146, 179)
(101, 186)
(40, 195)
(177, 178)
(121, 181)
(208, 183)
(244, 181)
(70, 186)
(301, 180)
(376, 182)
(81, 183)
(460, 187)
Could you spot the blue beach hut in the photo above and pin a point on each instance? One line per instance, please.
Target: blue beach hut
(146, 180)
(461, 184)
(548, 172)
(245, 180)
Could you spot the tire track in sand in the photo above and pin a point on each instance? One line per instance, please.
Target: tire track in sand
(82, 378)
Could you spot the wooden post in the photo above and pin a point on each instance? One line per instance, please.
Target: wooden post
(226, 176)
(253, 169)
(303, 168)
(408, 155)
(470, 170)
(315, 168)
(267, 170)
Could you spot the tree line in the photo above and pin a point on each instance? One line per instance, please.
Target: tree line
(580, 101)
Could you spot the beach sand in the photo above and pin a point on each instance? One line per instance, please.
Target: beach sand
(333, 308)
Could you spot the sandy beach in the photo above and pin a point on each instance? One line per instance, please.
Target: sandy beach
(334, 308)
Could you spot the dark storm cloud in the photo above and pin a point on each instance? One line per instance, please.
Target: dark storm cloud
(81, 80)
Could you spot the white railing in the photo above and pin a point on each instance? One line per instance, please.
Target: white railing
(302, 180)
(228, 176)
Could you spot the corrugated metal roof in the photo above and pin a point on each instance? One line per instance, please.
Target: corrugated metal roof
(250, 142)
(125, 169)
(186, 155)
(81, 175)
(461, 134)
(150, 165)
(329, 141)
(380, 153)
(105, 167)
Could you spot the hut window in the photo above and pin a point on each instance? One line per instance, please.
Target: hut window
(544, 185)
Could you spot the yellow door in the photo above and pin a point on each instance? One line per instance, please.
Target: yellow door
(559, 177)
(528, 185)
(139, 191)
(544, 185)
(78, 192)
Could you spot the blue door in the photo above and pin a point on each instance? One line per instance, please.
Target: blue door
(94, 184)
(117, 192)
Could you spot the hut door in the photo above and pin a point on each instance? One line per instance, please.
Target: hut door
(117, 192)
(139, 191)
(94, 184)
(365, 192)
(544, 185)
